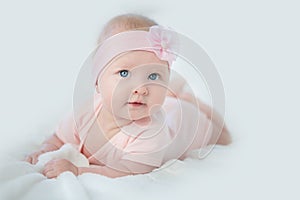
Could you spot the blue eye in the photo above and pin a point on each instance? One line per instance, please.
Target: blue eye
(153, 76)
(124, 73)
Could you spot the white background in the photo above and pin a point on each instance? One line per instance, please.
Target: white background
(254, 44)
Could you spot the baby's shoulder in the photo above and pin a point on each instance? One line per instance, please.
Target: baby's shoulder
(86, 113)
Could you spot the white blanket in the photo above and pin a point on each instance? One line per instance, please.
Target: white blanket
(174, 180)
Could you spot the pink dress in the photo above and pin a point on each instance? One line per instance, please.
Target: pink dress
(172, 134)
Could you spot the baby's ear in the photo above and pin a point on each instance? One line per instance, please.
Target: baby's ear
(97, 88)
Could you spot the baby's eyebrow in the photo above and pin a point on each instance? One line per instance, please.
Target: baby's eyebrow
(122, 68)
(156, 69)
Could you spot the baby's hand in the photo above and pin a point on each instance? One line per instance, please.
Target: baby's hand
(33, 158)
(55, 167)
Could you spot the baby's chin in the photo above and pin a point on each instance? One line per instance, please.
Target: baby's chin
(136, 117)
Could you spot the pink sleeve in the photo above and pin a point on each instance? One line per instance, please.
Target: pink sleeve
(190, 127)
(204, 132)
(67, 130)
(128, 168)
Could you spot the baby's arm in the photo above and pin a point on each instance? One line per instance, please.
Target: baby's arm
(224, 138)
(125, 168)
(177, 84)
(65, 132)
(103, 170)
(51, 144)
(55, 167)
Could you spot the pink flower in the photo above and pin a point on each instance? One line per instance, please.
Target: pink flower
(164, 43)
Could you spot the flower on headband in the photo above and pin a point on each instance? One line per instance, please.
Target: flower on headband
(164, 43)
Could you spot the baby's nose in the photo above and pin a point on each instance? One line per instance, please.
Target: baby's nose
(141, 91)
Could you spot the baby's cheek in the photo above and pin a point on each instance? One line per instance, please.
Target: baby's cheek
(107, 94)
(106, 100)
(159, 95)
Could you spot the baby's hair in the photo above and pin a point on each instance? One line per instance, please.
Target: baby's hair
(125, 22)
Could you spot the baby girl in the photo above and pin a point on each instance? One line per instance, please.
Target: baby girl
(138, 122)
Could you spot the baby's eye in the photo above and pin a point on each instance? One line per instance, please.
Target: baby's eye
(124, 73)
(153, 76)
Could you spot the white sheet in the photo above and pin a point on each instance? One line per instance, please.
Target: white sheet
(175, 179)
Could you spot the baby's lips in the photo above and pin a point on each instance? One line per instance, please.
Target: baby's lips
(136, 103)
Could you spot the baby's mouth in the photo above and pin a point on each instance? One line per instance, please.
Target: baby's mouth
(136, 103)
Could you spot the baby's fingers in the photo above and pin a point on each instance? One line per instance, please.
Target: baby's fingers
(50, 173)
(49, 165)
(47, 168)
(35, 159)
(32, 159)
(50, 169)
(28, 159)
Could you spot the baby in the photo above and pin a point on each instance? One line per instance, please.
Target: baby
(138, 122)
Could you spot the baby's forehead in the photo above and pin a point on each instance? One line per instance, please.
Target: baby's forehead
(138, 59)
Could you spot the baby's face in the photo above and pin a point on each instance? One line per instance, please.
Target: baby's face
(134, 85)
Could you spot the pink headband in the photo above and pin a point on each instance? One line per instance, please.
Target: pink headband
(162, 41)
